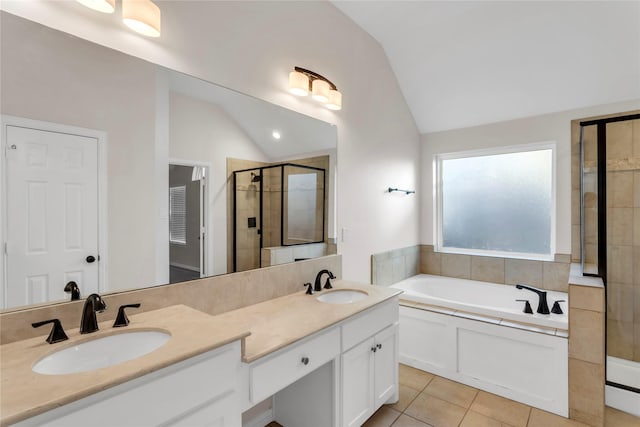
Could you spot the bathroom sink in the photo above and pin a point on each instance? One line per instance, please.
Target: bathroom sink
(342, 296)
(101, 352)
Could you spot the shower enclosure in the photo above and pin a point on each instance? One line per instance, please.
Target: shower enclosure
(280, 205)
(610, 236)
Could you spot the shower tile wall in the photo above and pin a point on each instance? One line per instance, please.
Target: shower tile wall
(248, 200)
(623, 239)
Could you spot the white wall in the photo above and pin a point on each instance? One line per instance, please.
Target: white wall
(205, 133)
(548, 127)
(81, 87)
(251, 47)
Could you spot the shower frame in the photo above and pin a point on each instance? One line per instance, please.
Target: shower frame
(601, 149)
(281, 166)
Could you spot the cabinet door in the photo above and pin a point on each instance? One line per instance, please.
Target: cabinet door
(357, 384)
(386, 366)
(219, 412)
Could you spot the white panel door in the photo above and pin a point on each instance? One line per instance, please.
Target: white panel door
(52, 215)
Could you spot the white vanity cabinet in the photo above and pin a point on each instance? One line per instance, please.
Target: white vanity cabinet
(199, 391)
(369, 368)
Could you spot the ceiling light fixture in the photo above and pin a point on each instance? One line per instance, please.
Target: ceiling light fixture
(104, 6)
(276, 134)
(302, 82)
(142, 16)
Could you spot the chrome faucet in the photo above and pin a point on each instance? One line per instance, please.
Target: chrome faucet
(327, 284)
(543, 308)
(88, 322)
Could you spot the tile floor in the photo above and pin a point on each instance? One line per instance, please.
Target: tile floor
(427, 400)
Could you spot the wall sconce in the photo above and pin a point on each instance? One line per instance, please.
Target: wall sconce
(142, 16)
(302, 82)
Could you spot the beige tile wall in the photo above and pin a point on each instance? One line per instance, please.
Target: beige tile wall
(623, 239)
(551, 275)
(395, 265)
(588, 318)
(213, 295)
(586, 353)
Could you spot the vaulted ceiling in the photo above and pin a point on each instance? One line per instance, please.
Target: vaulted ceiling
(467, 63)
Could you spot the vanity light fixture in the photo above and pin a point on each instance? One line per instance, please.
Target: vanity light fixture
(104, 6)
(302, 82)
(142, 16)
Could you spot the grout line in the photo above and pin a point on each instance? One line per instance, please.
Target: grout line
(470, 405)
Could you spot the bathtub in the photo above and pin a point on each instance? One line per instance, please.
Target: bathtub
(483, 298)
(475, 333)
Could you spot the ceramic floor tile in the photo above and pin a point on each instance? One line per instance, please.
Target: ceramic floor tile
(436, 412)
(499, 408)
(539, 418)
(414, 378)
(407, 394)
(383, 417)
(474, 419)
(615, 418)
(407, 421)
(451, 391)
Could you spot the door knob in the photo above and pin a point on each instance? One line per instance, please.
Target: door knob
(305, 360)
(90, 259)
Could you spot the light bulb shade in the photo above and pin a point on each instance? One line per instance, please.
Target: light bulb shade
(142, 16)
(104, 6)
(320, 90)
(335, 100)
(298, 83)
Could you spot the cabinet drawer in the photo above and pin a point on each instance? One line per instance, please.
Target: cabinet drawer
(286, 366)
(368, 323)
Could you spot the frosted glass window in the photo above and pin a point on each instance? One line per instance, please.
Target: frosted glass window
(178, 215)
(499, 202)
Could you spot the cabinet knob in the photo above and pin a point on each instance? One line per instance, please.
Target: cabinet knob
(305, 361)
(374, 349)
(379, 346)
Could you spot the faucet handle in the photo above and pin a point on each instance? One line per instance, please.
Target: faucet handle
(309, 288)
(57, 332)
(72, 287)
(527, 306)
(122, 319)
(556, 309)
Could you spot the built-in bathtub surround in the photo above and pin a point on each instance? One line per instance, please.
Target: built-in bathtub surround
(586, 348)
(395, 265)
(477, 334)
(549, 275)
(212, 295)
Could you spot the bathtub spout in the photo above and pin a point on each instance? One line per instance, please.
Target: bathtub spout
(543, 308)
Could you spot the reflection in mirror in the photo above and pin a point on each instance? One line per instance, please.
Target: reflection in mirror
(275, 207)
(137, 132)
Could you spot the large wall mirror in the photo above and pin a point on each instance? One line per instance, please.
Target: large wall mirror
(126, 169)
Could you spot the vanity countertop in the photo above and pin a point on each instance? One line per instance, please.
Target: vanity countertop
(25, 393)
(279, 322)
(264, 328)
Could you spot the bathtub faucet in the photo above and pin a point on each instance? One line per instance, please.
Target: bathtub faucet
(543, 308)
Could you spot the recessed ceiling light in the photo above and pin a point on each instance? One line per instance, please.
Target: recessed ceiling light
(276, 134)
